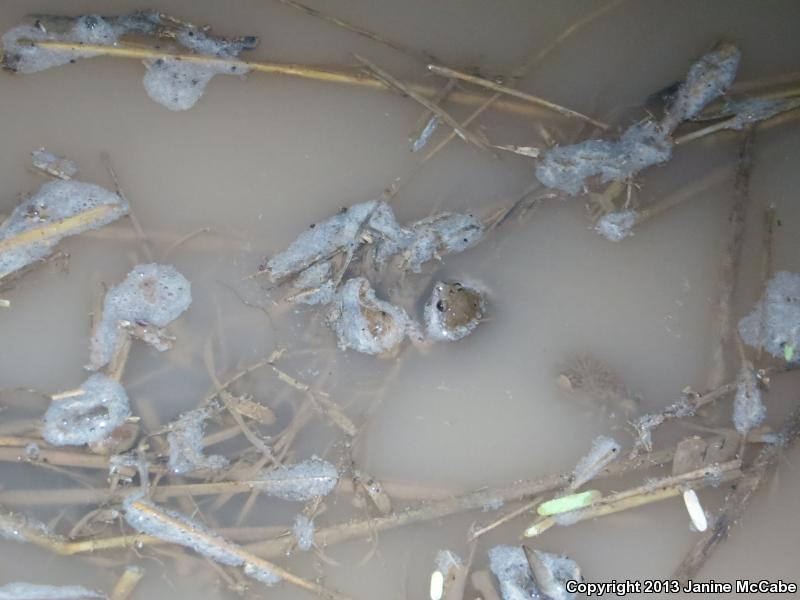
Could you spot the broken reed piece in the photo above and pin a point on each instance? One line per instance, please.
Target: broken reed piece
(661, 489)
(496, 87)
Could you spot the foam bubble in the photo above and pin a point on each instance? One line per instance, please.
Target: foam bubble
(87, 418)
(300, 482)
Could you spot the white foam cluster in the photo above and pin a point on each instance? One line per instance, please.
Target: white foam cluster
(567, 168)
(642, 145)
(179, 84)
(24, 57)
(303, 531)
(53, 202)
(363, 322)
(604, 450)
(259, 573)
(617, 225)
(57, 166)
(321, 241)
(707, 80)
(752, 110)
(185, 441)
(33, 591)
(774, 323)
(551, 573)
(453, 311)
(510, 566)
(307, 258)
(150, 294)
(748, 408)
(87, 418)
(300, 482)
(192, 535)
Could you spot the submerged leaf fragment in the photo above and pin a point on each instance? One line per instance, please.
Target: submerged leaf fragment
(453, 311)
(300, 482)
(150, 294)
(363, 322)
(59, 209)
(90, 417)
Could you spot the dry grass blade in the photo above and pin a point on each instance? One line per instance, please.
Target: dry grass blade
(127, 583)
(464, 134)
(496, 87)
(358, 30)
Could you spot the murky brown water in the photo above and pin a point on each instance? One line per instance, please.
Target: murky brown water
(257, 161)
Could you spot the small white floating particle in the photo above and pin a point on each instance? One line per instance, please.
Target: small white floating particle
(437, 585)
(33, 591)
(89, 417)
(695, 510)
(300, 482)
(617, 225)
(150, 294)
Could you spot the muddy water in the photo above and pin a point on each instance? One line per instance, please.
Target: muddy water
(257, 161)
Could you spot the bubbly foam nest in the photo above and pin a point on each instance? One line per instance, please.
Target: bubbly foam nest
(300, 482)
(616, 226)
(363, 322)
(748, 408)
(303, 531)
(33, 591)
(152, 294)
(87, 418)
(192, 535)
(179, 84)
(26, 58)
(512, 569)
(774, 323)
(436, 327)
(53, 202)
(186, 445)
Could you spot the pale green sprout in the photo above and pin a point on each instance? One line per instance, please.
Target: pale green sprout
(556, 506)
(788, 352)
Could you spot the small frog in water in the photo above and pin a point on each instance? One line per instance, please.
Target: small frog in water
(453, 311)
